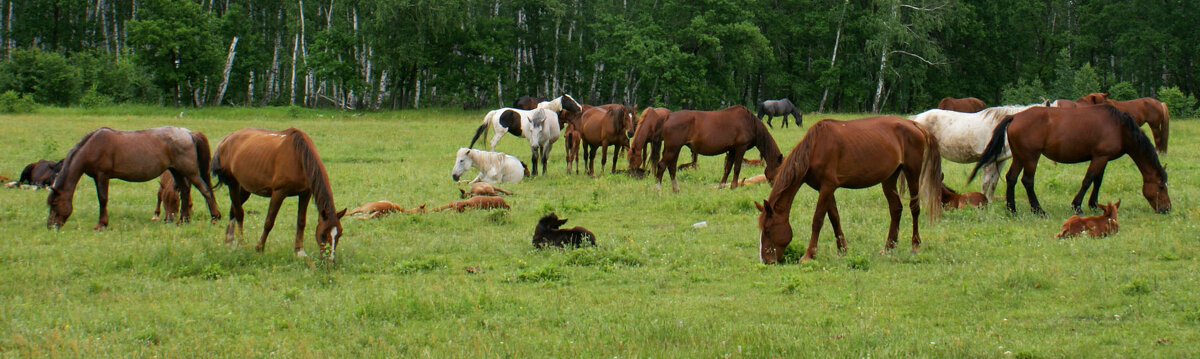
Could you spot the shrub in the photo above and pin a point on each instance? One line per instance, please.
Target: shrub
(12, 102)
(1024, 92)
(94, 99)
(1122, 91)
(46, 75)
(1180, 104)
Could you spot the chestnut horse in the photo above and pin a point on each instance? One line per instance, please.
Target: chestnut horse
(649, 132)
(527, 102)
(134, 156)
(969, 104)
(277, 164)
(852, 154)
(602, 126)
(731, 131)
(1143, 110)
(1098, 134)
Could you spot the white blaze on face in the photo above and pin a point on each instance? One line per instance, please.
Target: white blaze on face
(333, 235)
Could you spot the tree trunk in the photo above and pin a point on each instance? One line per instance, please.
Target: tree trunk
(879, 87)
(383, 78)
(272, 72)
(225, 74)
(292, 84)
(833, 59)
(250, 90)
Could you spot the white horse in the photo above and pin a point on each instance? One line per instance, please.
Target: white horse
(540, 126)
(963, 136)
(494, 167)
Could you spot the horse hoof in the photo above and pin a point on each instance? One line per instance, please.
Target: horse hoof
(301, 254)
(155, 218)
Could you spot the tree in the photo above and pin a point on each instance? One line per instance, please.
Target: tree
(176, 42)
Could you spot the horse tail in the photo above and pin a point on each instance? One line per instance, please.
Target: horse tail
(478, 132)
(203, 157)
(314, 172)
(931, 175)
(1165, 127)
(994, 148)
(525, 167)
(27, 174)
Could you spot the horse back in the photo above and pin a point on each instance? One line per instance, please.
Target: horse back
(864, 152)
(261, 161)
(1067, 135)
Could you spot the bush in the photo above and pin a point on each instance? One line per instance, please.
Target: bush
(1180, 105)
(1122, 91)
(12, 102)
(1024, 92)
(46, 75)
(95, 99)
(121, 80)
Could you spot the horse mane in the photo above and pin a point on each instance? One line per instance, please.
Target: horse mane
(795, 166)
(66, 161)
(314, 172)
(1142, 145)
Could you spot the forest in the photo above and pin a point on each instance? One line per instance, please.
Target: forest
(825, 55)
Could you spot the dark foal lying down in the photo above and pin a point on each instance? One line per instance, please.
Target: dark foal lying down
(547, 233)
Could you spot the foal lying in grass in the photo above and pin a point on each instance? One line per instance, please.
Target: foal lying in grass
(1098, 226)
(953, 200)
(547, 233)
(483, 189)
(475, 203)
(376, 209)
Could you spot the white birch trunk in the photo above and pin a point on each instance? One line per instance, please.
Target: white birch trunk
(250, 90)
(225, 74)
(292, 84)
(833, 60)
(879, 87)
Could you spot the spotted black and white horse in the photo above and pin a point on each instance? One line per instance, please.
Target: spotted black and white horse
(540, 126)
(962, 136)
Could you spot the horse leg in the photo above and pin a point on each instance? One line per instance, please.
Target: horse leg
(914, 206)
(157, 205)
(496, 139)
(784, 124)
(725, 175)
(1010, 179)
(616, 155)
(603, 154)
(1096, 190)
(894, 209)
(1095, 169)
(185, 197)
(301, 220)
(1027, 180)
(236, 215)
(276, 200)
(823, 200)
(534, 159)
(991, 175)
(102, 198)
(738, 155)
(769, 117)
(836, 221)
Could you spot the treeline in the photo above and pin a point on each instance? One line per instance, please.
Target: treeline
(830, 55)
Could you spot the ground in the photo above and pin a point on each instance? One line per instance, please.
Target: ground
(986, 283)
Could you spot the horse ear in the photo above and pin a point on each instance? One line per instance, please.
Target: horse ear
(341, 213)
(760, 206)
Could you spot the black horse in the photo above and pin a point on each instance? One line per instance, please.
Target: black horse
(784, 107)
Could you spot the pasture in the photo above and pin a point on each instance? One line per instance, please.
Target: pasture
(986, 283)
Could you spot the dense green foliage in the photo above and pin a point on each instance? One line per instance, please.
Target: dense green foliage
(986, 284)
(835, 55)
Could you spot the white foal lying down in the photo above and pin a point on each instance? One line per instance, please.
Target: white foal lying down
(494, 167)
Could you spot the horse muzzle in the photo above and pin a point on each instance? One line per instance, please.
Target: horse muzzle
(455, 177)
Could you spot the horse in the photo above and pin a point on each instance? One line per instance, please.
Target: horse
(547, 234)
(133, 156)
(758, 179)
(782, 107)
(572, 138)
(483, 189)
(483, 202)
(277, 164)
(852, 154)
(1098, 226)
(731, 131)
(951, 199)
(1098, 134)
(962, 136)
(602, 126)
(40, 173)
(969, 104)
(527, 102)
(380, 208)
(649, 132)
(1143, 110)
(168, 198)
(494, 167)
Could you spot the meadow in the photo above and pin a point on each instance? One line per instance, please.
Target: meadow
(986, 283)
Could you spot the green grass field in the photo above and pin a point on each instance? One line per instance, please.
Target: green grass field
(986, 284)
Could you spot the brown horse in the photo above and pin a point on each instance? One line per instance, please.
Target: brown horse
(277, 164)
(1143, 110)
(969, 104)
(1098, 226)
(168, 199)
(731, 131)
(649, 132)
(134, 156)
(527, 102)
(1098, 134)
(571, 136)
(601, 126)
(852, 154)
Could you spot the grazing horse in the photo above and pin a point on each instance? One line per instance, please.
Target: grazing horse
(783, 107)
(527, 102)
(1098, 226)
(494, 167)
(1143, 110)
(602, 126)
(134, 156)
(1098, 134)
(277, 164)
(962, 136)
(547, 234)
(969, 104)
(40, 173)
(852, 154)
(168, 198)
(731, 131)
(649, 132)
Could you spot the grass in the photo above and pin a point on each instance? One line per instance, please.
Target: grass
(986, 284)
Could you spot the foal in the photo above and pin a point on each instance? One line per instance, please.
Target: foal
(376, 209)
(547, 233)
(1098, 226)
(483, 189)
(953, 200)
(168, 198)
(476, 203)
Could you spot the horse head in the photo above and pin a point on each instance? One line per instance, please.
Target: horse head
(329, 231)
(1155, 191)
(461, 163)
(631, 120)
(60, 208)
(775, 233)
(568, 103)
